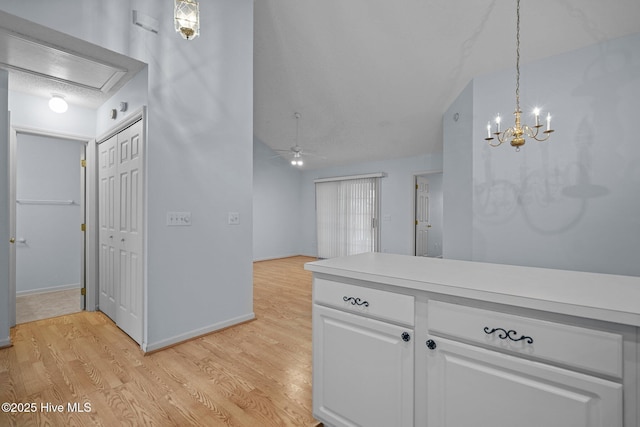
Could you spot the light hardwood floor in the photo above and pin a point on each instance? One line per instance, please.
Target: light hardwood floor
(255, 374)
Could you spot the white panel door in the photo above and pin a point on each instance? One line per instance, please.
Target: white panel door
(363, 370)
(422, 215)
(129, 221)
(472, 387)
(107, 175)
(121, 225)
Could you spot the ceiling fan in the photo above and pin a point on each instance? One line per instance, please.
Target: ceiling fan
(296, 152)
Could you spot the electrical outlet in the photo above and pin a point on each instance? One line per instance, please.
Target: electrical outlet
(179, 219)
(234, 218)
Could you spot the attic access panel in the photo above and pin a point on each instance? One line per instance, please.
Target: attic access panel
(35, 58)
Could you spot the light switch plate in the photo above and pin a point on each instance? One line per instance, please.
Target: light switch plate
(179, 219)
(234, 218)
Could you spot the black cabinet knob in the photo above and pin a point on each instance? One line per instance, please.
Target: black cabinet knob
(406, 337)
(431, 344)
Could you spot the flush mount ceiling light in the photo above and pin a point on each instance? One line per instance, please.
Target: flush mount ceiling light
(58, 104)
(187, 18)
(518, 132)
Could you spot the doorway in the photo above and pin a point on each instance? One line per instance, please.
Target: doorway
(48, 207)
(428, 215)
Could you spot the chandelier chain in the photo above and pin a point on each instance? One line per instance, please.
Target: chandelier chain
(518, 56)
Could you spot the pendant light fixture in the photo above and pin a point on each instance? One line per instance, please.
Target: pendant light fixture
(518, 132)
(297, 151)
(187, 18)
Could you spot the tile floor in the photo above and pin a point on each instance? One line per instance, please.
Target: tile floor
(47, 304)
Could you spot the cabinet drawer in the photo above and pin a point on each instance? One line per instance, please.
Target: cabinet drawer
(582, 348)
(390, 306)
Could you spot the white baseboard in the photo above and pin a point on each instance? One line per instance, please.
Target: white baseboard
(280, 257)
(147, 347)
(49, 289)
(5, 342)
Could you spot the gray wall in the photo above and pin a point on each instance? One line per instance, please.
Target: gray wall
(48, 169)
(33, 112)
(199, 158)
(284, 202)
(572, 202)
(397, 225)
(277, 192)
(457, 185)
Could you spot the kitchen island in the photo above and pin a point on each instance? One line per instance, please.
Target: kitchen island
(403, 341)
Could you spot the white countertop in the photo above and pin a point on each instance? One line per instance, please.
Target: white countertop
(607, 297)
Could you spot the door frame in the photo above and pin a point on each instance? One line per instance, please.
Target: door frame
(414, 182)
(87, 267)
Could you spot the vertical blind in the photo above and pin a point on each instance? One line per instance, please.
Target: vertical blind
(346, 215)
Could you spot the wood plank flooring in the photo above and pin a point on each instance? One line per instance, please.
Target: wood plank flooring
(255, 374)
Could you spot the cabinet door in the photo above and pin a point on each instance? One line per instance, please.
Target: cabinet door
(474, 387)
(363, 370)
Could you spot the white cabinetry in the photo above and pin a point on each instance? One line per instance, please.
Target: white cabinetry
(493, 346)
(363, 367)
(469, 386)
(512, 381)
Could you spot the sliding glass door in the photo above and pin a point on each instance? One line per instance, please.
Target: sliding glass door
(347, 216)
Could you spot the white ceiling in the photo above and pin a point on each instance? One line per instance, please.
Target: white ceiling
(372, 78)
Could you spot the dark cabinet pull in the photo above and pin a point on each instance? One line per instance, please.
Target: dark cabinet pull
(504, 334)
(406, 337)
(431, 344)
(355, 301)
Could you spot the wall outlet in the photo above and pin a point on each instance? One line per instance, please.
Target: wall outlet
(234, 218)
(180, 219)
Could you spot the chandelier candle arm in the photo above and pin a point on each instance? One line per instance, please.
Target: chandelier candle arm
(518, 132)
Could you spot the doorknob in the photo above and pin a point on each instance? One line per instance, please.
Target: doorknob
(12, 240)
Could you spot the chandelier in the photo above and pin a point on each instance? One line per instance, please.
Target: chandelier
(187, 18)
(518, 132)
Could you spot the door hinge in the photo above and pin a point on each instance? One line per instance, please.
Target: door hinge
(83, 227)
(83, 163)
(416, 222)
(83, 291)
(417, 186)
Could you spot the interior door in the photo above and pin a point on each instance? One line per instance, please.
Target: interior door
(107, 226)
(422, 216)
(129, 231)
(121, 227)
